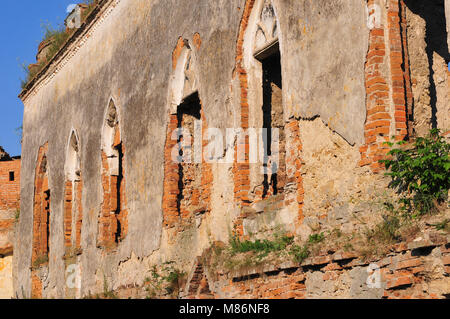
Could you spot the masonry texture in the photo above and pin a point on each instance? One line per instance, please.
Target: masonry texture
(9, 212)
(401, 275)
(139, 84)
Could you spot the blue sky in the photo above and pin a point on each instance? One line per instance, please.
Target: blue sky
(20, 35)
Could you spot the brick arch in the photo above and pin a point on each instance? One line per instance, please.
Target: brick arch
(184, 199)
(113, 218)
(41, 221)
(293, 145)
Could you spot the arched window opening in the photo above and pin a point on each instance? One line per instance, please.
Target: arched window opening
(113, 217)
(187, 178)
(73, 214)
(273, 118)
(189, 172)
(41, 222)
(41, 212)
(266, 50)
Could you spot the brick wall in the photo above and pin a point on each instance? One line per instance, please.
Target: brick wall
(10, 190)
(388, 84)
(73, 209)
(41, 221)
(241, 170)
(9, 204)
(290, 184)
(186, 185)
(113, 220)
(416, 270)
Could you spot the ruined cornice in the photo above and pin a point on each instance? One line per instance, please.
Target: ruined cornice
(101, 11)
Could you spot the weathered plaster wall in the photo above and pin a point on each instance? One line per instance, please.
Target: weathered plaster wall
(337, 188)
(129, 55)
(322, 76)
(129, 66)
(133, 66)
(7, 222)
(6, 283)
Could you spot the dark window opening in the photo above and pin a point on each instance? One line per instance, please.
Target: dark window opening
(118, 234)
(273, 118)
(433, 14)
(189, 173)
(11, 176)
(47, 219)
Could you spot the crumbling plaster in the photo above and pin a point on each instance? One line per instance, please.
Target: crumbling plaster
(128, 56)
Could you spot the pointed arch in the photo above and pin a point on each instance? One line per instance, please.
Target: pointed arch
(72, 167)
(187, 178)
(259, 68)
(41, 221)
(267, 31)
(184, 80)
(113, 219)
(73, 187)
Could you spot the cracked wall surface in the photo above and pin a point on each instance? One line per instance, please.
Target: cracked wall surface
(345, 88)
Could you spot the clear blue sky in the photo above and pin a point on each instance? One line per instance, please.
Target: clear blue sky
(20, 35)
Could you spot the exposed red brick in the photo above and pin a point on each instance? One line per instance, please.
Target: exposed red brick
(10, 190)
(177, 52)
(187, 186)
(409, 263)
(113, 219)
(41, 217)
(378, 101)
(197, 40)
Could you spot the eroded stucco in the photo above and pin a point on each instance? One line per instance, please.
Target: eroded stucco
(128, 57)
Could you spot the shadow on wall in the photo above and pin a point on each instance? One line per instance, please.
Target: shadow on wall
(433, 12)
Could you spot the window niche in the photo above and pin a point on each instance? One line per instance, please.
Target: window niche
(266, 69)
(189, 172)
(113, 216)
(73, 214)
(41, 212)
(187, 178)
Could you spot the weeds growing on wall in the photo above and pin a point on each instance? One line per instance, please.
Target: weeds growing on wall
(420, 172)
(444, 225)
(300, 253)
(261, 247)
(280, 244)
(107, 292)
(57, 38)
(41, 260)
(164, 281)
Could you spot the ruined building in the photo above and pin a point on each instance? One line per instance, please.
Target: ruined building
(9, 212)
(103, 202)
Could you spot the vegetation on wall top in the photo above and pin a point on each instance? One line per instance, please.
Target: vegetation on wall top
(56, 38)
(420, 172)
